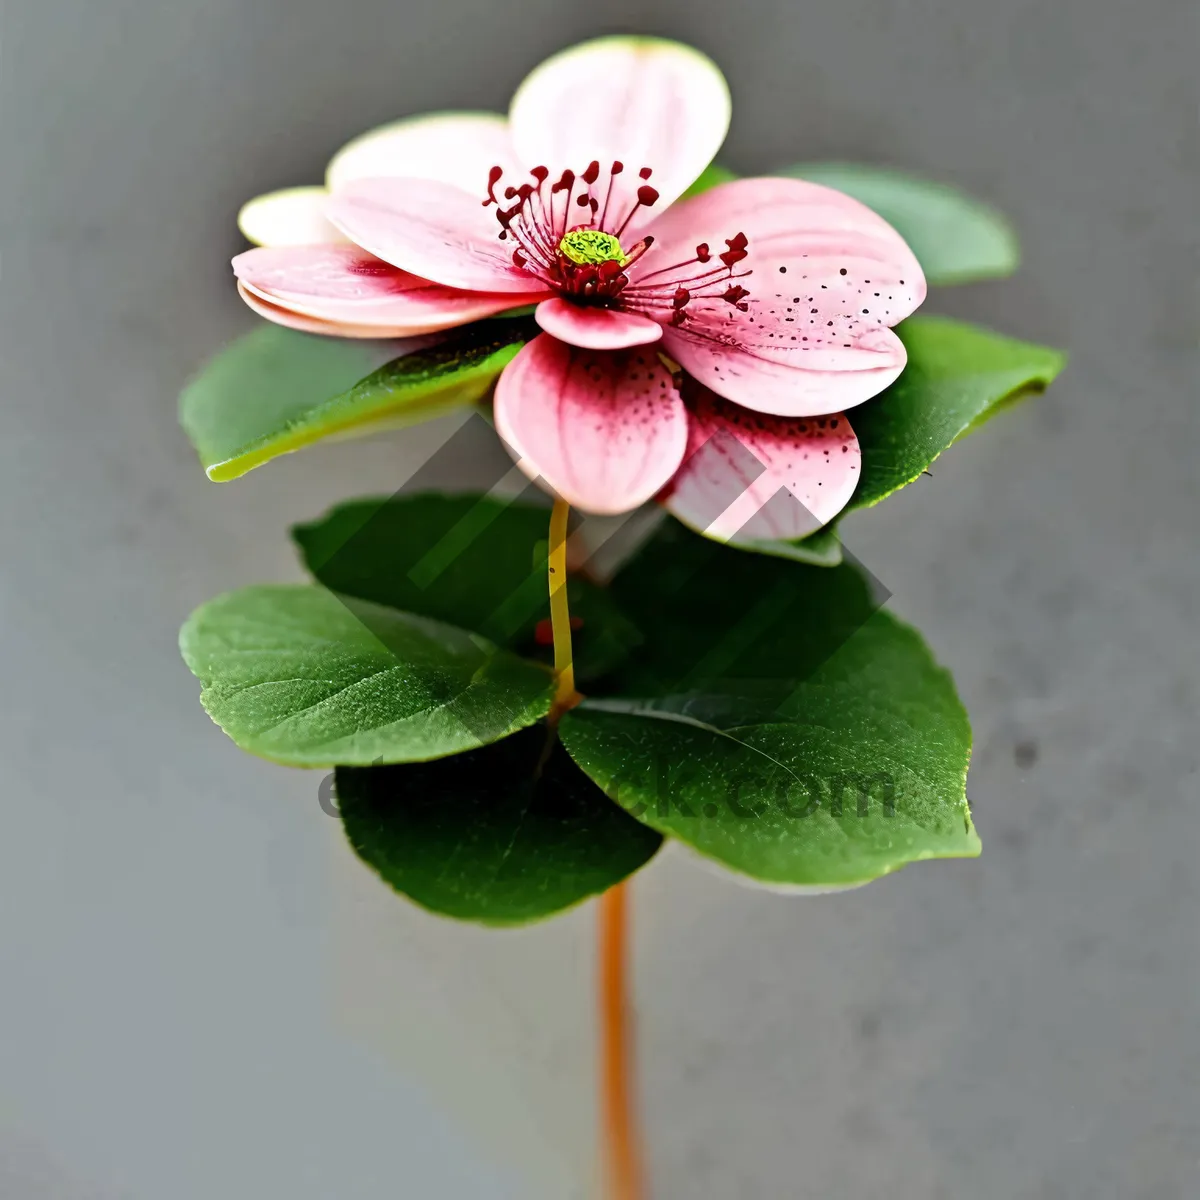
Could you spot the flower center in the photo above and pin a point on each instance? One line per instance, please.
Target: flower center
(584, 246)
(568, 235)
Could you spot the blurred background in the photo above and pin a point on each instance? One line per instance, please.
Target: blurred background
(202, 995)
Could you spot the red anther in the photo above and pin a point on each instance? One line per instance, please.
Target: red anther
(519, 260)
(583, 201)
(732, 257)
(636, 251)
(735, 294)
(539, 173)
(677, 318)
(565, 182)
(703, 254)
(592, 173)
(737, 242)
(646, 194)
(493, 178)
(645, 172)
(681, 297)
(617, 167)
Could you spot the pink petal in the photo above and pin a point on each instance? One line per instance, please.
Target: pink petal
(827, 277)
(747, 373)
(454, 148)
(604, 430)
(432, 229)
(750, 477)
(642, 101)
(293, 320)
(292, 217)
(595, 328)
(346, 286)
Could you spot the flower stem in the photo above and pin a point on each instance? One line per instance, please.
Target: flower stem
(622, 1148)
(560, 614)
(622, 1153)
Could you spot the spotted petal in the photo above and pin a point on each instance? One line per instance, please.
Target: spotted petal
(432, 229)
(454, 148)
(644, 102)
(595, 328)
(826, 279)
(345, 286)
(750, 477)
(604, 430)
(292, 217)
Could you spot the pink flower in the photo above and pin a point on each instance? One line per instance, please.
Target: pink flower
(775, 296)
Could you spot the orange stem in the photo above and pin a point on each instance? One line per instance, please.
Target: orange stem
(622, 1145)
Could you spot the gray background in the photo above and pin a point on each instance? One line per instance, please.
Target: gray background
(202, 996)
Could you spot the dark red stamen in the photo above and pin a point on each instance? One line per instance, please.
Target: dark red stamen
(494, 176)
(537, 223)
(614, 171)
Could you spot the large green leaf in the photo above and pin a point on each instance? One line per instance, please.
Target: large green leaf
(956, 239)
(820, 549)
(304, 677)
(474, 561)
(495, 835)
(718, 622)
(779, 723)
(276, 390)
(957, 376)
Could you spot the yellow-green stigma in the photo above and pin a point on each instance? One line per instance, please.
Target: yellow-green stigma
(590, 247)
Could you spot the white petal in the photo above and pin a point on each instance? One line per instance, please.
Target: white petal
(291, 217)
(455, 148)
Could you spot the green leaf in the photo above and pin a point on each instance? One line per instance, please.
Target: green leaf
(712, 175)
(786, 727)
(276, 390)
(494, 835)
(957, 376)
(709, 630)
(473, 561)
(956, 239)
(820, 549)
(306, 678)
